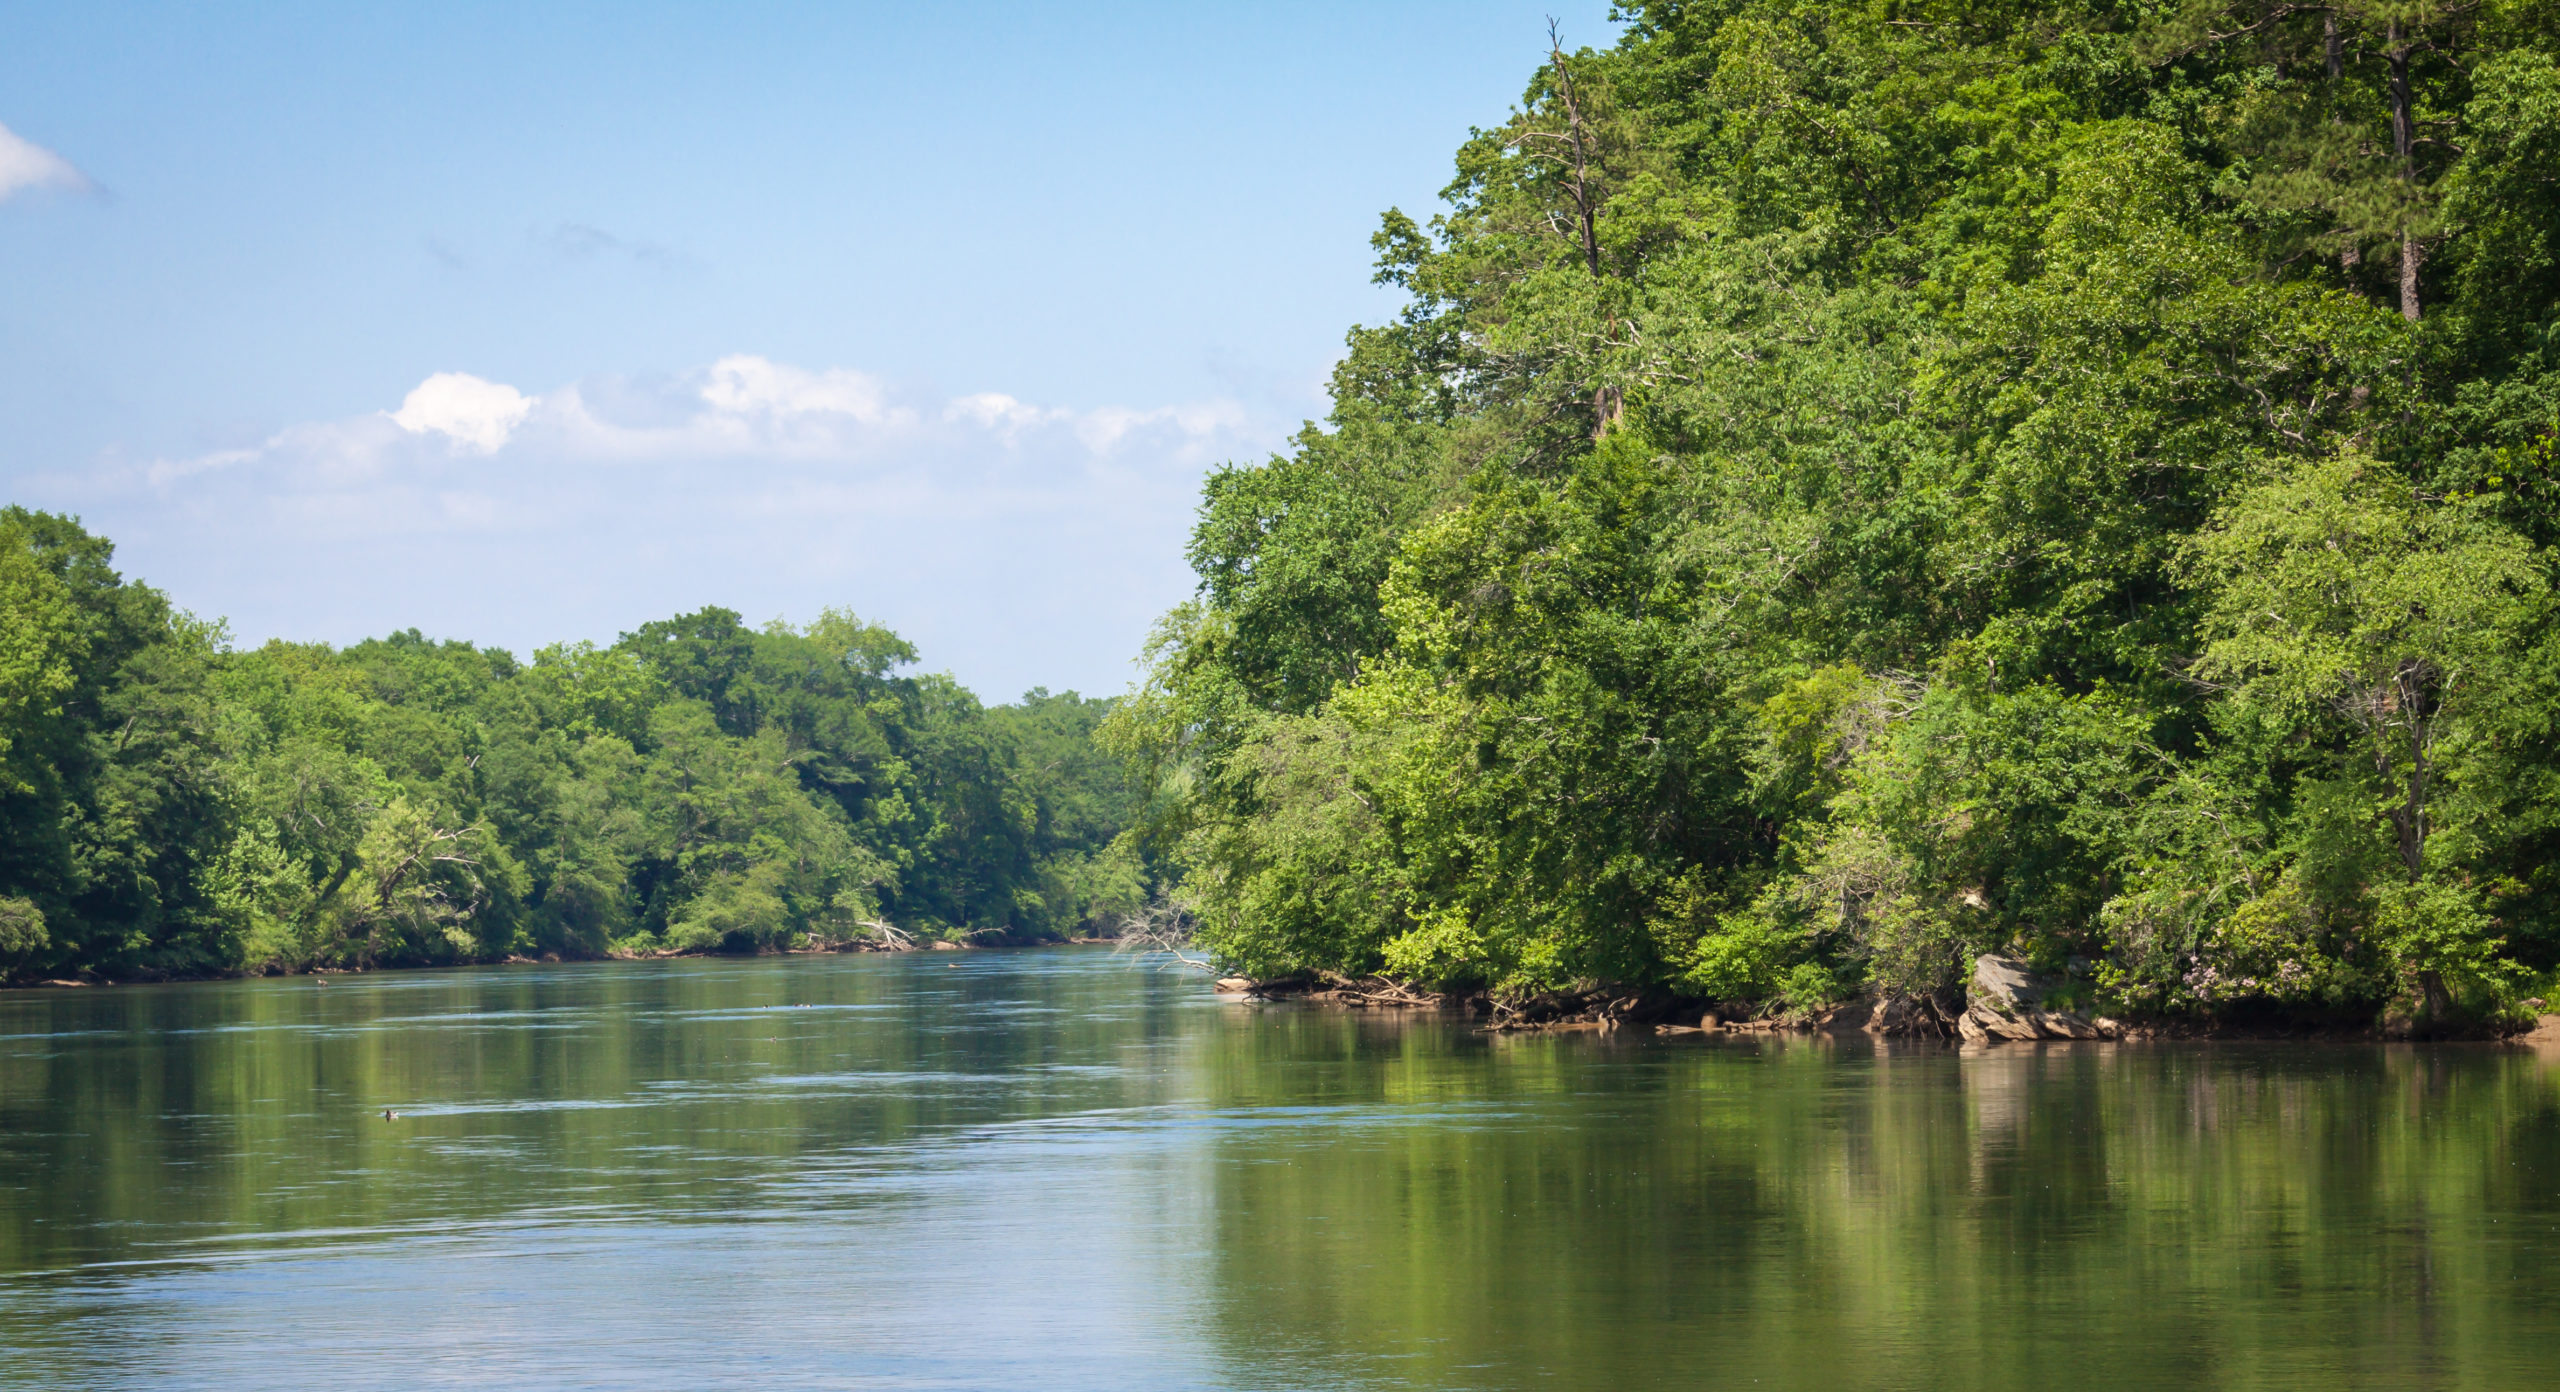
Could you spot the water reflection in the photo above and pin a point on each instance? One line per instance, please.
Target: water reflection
(1050, 1170)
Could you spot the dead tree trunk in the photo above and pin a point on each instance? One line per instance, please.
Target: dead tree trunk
(1607, 405)
(2404, 136)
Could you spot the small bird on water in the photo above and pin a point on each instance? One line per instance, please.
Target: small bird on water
(390, 1115)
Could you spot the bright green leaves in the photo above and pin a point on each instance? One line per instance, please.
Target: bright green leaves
(108, 806)
(2367, 646)
(41, 646)
(1858, 486)
(2335, 587)
(2387, 628)
(1507, 781)
(590, 691)
(744, 859)
(1441, 950)
(2104, 404)
(22, 934)
(700, 786)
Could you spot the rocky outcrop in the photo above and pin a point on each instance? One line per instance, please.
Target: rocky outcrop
(2007, 1000)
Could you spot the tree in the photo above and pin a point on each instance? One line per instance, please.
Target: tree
(41, 648)
(1819, 513)
(2339, 593)
(2356, 121)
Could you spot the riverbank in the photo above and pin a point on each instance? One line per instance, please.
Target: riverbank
(2003, 1000)
(980, 942)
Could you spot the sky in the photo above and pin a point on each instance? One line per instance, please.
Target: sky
(529, 324)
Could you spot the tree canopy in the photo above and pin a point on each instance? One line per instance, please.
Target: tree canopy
(1855, 485)
(171, 806)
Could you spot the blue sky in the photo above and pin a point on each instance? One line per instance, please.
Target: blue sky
(526, 324)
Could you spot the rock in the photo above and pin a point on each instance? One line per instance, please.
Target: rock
(2004, 984)
(2005, 1000)
(1235, 985)
(2107, 1028)
(1993, 1024)
(947, 947)
(2066, 1024)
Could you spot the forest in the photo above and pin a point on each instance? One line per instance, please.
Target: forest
(1858, 485)
(171, 807)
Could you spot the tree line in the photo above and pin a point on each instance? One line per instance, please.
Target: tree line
(169, 806)
(1856, 485)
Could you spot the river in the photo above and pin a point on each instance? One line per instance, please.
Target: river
(1058, 1170)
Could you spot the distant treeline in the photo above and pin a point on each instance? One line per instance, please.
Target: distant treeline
(169, 806)
(1861, 483)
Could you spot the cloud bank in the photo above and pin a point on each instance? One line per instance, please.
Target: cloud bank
(25, 166)
(1016, 543)
(473, 413)
(842, 424)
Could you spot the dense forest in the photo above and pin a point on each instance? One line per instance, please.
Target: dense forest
(1857, 485)
(171, 807)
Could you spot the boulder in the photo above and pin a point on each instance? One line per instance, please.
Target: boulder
(2005, 1000)
(2005, 984)
(1233, 985)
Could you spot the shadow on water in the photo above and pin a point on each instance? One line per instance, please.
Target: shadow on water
(1053, 1170)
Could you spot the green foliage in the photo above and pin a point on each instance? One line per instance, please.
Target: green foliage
(1855, 487)
(22, 933)
(700, 786)
(40, 647)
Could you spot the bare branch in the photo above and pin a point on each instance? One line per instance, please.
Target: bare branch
(1159, 932)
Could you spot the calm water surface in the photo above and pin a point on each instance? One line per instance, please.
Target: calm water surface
(1052, 1170)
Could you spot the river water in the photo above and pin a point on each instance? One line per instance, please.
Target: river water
(1057, 1170)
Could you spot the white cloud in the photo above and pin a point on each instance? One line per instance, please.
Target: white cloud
(999, 412)
(1028, 542)
(745, 385)
(26, 165)
(1103, 429)
(473, 412)
(831, 426)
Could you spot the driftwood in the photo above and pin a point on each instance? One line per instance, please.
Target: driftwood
(1159, 933)
(1378, 991)
(886, 937)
